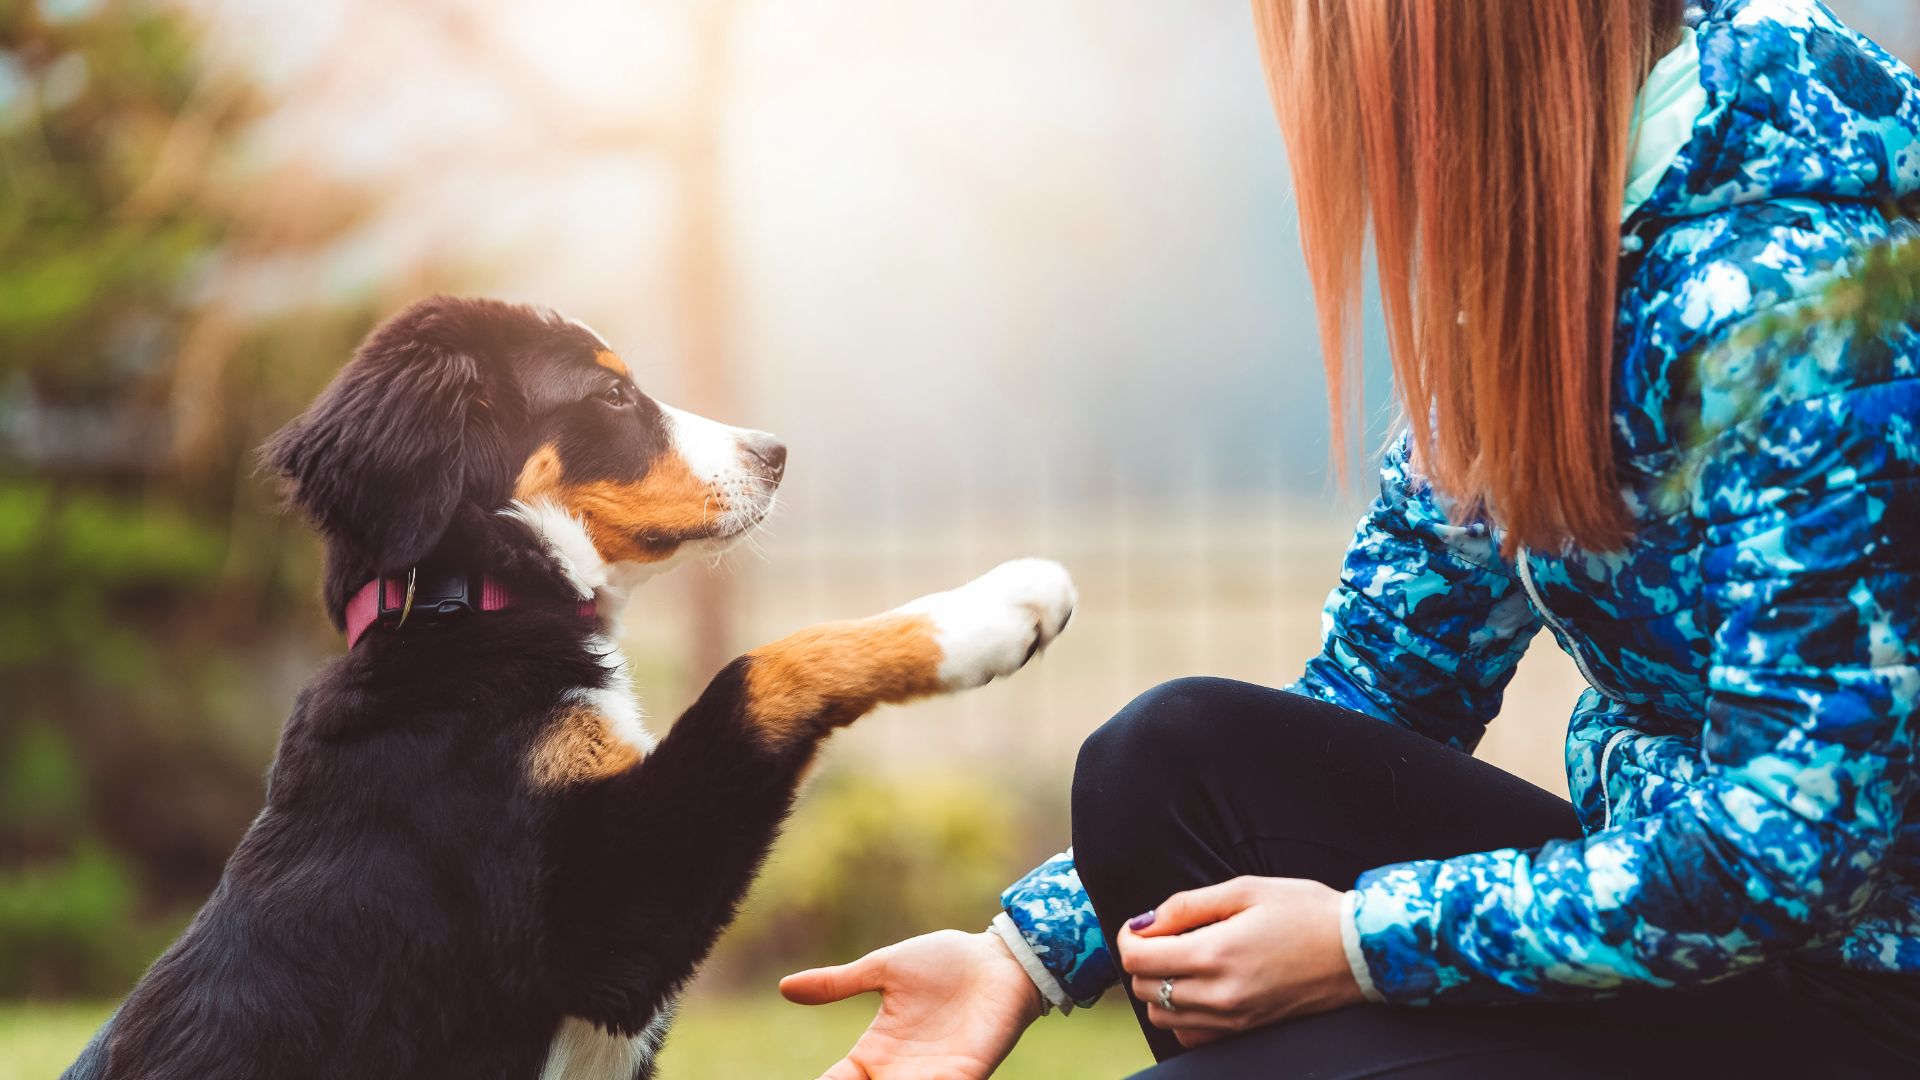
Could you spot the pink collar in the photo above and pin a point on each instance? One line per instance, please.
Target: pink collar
(390, 601)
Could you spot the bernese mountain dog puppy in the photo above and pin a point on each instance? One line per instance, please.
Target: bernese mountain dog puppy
(474, 861)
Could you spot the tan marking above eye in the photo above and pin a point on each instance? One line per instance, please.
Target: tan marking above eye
(606, 359)
(830, 675)
(640, 521)
(579, 746)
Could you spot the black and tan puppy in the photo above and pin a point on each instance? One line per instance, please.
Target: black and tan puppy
(473, 860)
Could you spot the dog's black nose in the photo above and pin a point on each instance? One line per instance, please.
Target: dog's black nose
(768, 451)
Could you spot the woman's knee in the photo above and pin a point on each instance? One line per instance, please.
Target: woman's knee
(1193, 738)
(1158, 716)
(1157, 737)
(1137, 774)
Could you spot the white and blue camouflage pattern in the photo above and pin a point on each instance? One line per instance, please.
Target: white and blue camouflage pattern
(1744, 764)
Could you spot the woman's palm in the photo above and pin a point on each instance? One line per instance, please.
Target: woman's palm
(952, 1005)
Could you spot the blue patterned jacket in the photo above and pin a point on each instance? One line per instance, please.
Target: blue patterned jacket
(1744, 763)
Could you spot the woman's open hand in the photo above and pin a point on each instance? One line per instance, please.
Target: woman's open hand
(1242, 954)
(951, 1007)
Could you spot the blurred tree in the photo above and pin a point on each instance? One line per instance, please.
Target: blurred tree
(170, 291)
(147, 582)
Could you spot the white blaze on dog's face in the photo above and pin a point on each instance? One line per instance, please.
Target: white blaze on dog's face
(623, 486)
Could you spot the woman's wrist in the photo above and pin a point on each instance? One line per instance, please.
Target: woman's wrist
(1047, 990)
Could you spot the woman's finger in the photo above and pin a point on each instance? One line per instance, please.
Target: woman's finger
(818, 986)
(1182, 1019)
(1198, 995)
(1183, 911)
(1194, 953)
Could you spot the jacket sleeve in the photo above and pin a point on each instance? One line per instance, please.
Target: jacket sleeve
(1427, 623)
(1053, 913)
(1807, 503)
(1424, 629)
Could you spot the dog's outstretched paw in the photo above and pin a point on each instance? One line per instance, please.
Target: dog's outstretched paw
(994, 624)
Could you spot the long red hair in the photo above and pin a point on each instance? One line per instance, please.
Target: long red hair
(1483, 147)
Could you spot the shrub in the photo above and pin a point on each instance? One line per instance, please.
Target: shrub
(868, 860)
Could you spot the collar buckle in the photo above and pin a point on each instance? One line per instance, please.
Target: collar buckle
(430, 593)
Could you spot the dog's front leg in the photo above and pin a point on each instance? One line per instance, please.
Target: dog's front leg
(662, 853)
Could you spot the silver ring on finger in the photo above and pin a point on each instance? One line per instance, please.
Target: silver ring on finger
(1166, 994)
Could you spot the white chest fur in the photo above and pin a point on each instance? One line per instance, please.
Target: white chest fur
(580, 1050)
(583, 1051)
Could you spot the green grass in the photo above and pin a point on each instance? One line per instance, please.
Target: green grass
(38, 1041)
(732, 1036)
(756, 1036)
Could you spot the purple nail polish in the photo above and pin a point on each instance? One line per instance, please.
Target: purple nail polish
(1141, 922)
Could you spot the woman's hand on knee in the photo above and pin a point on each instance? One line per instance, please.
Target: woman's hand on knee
(1242, 954)
(952, 1005)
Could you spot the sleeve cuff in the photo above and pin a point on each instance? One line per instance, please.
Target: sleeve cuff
(1050, 989)
(1055, 918)
(1356, 956)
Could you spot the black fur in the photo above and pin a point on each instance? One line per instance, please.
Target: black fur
(409, 903)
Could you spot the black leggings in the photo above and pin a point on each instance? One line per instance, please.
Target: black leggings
(1202, 780)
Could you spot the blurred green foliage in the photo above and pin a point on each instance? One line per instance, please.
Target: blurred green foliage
(87, 115)
(869, 859)
(150, 595)
(70, 925)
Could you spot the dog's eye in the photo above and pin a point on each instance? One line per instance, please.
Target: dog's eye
(617, 396)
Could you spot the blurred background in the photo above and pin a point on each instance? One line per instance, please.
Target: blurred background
(1009, 277)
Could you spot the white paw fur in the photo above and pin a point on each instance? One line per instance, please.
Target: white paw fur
(992, 625)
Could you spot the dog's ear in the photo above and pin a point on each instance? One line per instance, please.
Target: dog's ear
(385, 456)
